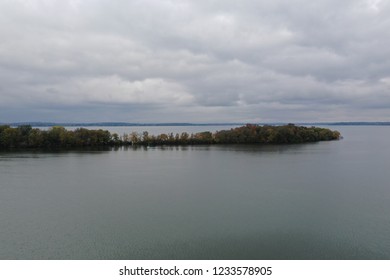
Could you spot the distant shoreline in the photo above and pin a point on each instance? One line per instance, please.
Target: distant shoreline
(113, 124)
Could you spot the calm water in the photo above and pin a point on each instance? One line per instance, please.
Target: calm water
(328, 200)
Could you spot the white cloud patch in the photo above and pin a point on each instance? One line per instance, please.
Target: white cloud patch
(113, 89)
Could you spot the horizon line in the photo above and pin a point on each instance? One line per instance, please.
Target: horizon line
(48, 124)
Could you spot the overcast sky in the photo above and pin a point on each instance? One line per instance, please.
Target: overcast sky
(194, 60)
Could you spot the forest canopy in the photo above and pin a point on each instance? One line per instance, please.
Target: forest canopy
(25, 136)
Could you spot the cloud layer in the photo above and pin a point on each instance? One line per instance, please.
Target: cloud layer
(196, 61)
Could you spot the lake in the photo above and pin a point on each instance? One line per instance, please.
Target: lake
(327, 200)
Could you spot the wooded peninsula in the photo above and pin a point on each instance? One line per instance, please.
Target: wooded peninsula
(25, 136)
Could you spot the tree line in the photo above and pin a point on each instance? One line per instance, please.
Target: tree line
(25, 136)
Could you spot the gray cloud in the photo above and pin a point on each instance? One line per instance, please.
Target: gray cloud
(194, 61)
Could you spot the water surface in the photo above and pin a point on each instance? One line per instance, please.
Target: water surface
(328, 200)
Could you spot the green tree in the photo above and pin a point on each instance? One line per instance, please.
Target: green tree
(11, 137)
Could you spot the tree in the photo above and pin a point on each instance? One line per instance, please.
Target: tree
(134, 138)
(35, 138)
(10, 137)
